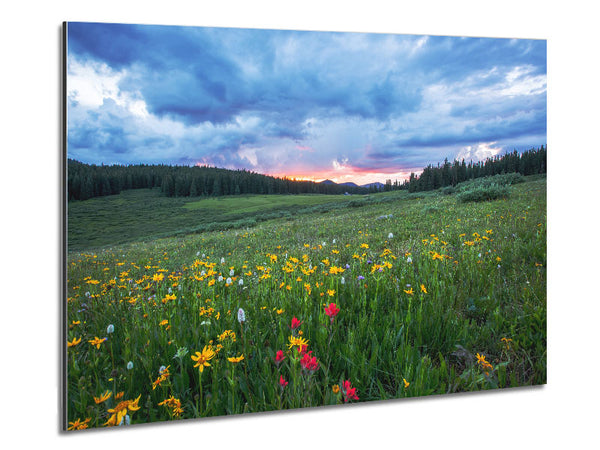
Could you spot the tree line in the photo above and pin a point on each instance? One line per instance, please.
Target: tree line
(530, 162)
(85, 181)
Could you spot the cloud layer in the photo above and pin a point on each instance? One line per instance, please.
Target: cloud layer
(347, 106)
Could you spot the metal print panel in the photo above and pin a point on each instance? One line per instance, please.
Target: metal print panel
(263, 220)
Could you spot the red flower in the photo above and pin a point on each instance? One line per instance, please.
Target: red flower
(309, 362)
(332, 310)
(302, 349)
(349, 391)
(279, 356)
(282, 382)
(295, 323)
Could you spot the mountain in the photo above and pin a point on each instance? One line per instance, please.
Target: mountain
(377, 185)
(349, 184)
(326, 182)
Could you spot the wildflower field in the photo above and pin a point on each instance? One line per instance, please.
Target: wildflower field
(402, 296)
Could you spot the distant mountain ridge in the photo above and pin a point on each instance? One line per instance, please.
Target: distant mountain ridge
(376, 185)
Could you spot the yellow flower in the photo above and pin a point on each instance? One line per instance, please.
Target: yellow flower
(78, 424)
(335, 388)
(96, 341)
(163, 322)
(409, 292)
(297, 341)
(174, 404)
(203, 357)
(483, 363)
(103, 397)
(120, 411)
(74, 342)
(169, 297)
(507, 342)
(227, 334)
(157, 277)
(280, 311)
(236, 359)
(162, 376)
(423, 289)
(331, 292)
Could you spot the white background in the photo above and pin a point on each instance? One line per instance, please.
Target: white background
(562, 413)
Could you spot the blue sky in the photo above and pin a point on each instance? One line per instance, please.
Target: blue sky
(314, 105)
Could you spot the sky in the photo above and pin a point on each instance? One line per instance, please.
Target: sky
(349, 107)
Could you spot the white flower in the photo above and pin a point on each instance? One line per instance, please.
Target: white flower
(197, 253)
(110, 329)
(161, 370)
(222, 260)
(205, 322)
(409, 260)
(130, 365)
(231, 272)
(220, 278)
(241, 316)
(203, 273)
(333, 241)
(125, 420)
(390, 236)
(343, 280)
(228, 281)
(241, 282)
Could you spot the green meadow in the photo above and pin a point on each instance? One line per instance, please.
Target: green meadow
(184, 307)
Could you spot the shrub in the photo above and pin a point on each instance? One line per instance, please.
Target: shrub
(483, 193)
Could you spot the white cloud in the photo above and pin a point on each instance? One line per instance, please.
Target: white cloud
(479, 152)
(90, 83)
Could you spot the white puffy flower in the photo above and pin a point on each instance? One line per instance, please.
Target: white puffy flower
(161, 370)
(220, 278)
(228, 281)
(390, 236)
(241, 282)
(125, 420)
(222, 260)
(343, 280)
(333, 241)
(110, 329)
(409, 260)
(241, 316)
(231, 272)
(130, 365)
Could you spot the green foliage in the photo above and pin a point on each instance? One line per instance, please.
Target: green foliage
(480, 193)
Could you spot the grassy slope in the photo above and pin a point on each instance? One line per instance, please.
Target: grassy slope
(146, 214)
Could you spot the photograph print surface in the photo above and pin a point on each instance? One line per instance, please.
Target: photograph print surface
(263, 220)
